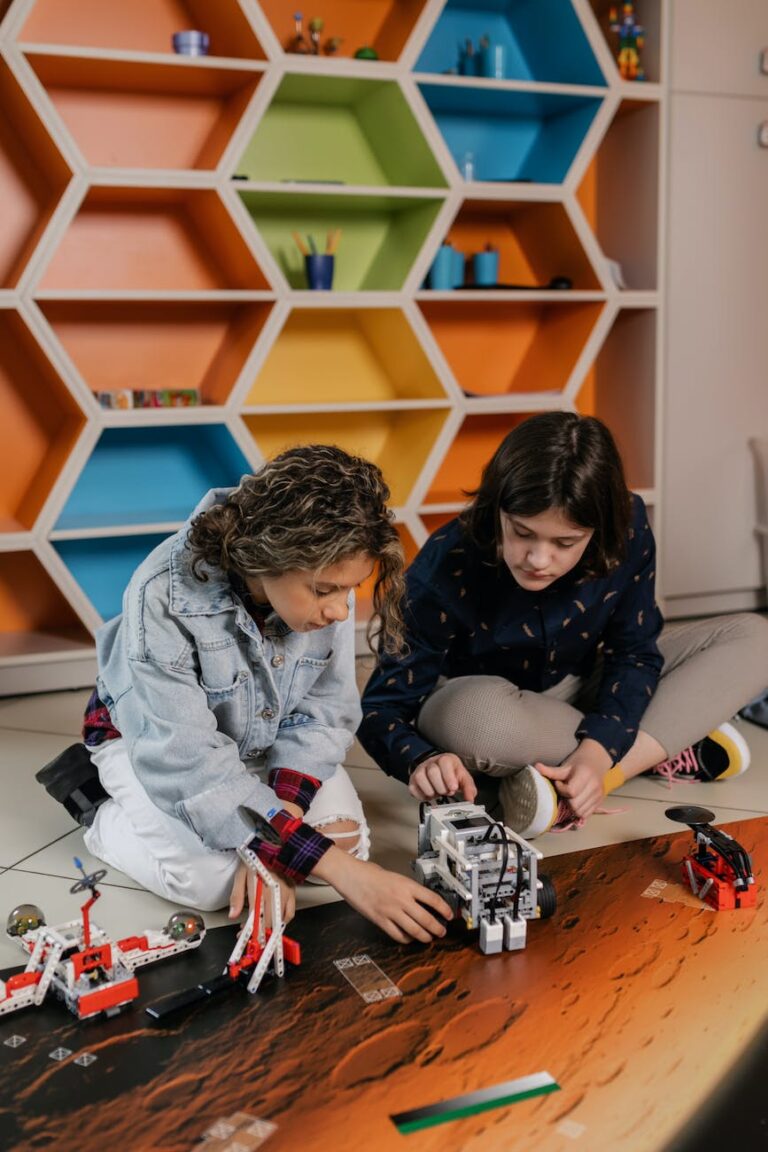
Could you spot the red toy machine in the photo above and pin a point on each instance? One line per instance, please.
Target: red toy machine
(79, 962)
(719, 870)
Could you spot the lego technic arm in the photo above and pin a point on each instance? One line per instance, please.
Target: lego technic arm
(484, 871)
(719, 870)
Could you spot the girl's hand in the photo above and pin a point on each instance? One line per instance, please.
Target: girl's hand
(401, 907)
(579, 779)
(245, 879)
(441, 775)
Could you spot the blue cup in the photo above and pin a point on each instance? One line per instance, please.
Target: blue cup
(493, 61)
(441, 273)
(485, 268)
(319, 269)
(457, 269)
(191, 43)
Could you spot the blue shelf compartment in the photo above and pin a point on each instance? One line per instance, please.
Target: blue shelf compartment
(103, 565)
(151, 475)
(543, 40)
(514, 135)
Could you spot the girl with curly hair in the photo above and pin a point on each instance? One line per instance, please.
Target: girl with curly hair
(226, 697)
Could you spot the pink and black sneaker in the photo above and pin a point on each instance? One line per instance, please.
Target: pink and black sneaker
(721, 755)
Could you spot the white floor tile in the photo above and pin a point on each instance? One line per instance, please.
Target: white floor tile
(56, 712)
(29, 818)
(57, 860)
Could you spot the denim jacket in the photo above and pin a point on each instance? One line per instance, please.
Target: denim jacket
(197, 692)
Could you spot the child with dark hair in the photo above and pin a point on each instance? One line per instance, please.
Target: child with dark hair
(226, 697)
(536, 653)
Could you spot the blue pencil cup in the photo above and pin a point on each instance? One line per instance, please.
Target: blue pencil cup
(457, 269)
(319, 269)
(441, 273)
(493, 61)
(485, 268)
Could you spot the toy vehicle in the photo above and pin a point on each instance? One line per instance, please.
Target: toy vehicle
(719, 872)
(485, 871)
(257, 948)
(79, 962)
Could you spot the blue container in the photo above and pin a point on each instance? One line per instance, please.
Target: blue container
(457, 269)
(485, 268)
(441, 273)
(493, 61)
(191, 43)
(319, 269)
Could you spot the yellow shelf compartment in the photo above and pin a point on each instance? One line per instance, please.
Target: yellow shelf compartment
(398, 441)
(345, 356)
(364, 596)
(647, 13)
(344, 130)
(139, 114)
(475, 442)
(40, 426)
(152, 239)
(139, 344)
(498, 349)
(384, 25)
(536, 242)
(141, 25)
(620, 390)
(381, 235)
(35, 618)
(619, 193)
(33, 177)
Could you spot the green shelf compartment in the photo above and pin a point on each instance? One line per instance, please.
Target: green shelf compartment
(542, 40)
(341, 131)
(381, 235)
(512, 136)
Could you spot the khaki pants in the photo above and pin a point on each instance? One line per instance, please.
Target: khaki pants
(711, 669)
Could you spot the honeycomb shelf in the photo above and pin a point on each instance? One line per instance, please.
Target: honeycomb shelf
(149, 205)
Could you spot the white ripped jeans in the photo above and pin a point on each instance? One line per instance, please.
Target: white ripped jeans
(164, 855)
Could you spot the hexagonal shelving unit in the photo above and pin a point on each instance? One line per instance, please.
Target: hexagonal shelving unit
(40, 426)
(167, 262)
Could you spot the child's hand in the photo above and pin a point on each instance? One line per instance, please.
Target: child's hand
(244, 878)
(398, 905)
(579, 779)
(441, 775)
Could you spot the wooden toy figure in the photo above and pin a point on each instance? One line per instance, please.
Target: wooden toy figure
(631, 40)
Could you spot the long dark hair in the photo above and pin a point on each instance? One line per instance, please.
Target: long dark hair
(556, 460)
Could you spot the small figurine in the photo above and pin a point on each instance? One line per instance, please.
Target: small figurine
(485, 871)
(79, 962)
(298, 42)
(631, 39)
(719, 871)
(316, 26)
(366, 53)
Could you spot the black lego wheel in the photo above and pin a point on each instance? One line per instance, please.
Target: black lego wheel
(690, 814)
(547, 898)
(88, 882)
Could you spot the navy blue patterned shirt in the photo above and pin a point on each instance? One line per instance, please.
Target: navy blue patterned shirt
(466, 616)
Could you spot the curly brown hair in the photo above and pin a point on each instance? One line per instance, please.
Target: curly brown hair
(309, 508)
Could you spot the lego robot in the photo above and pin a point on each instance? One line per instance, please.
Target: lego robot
(484, 871)
(79, 962)
(719, 870)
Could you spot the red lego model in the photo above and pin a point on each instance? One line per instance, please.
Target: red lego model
(719, 871)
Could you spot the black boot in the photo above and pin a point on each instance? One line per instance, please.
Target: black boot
(73, 779)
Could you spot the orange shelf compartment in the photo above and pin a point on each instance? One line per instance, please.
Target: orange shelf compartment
(647, 13)
(474, 444)
(381, 24)
(398, 441)
(345, 355)
(620, 390)
(34, 616)
(434, 520)
(155, 239)
(498, 348)
(40, 425)
(364, 596)
(142, 25)
(535, 242)
(140, 345)
(620, 198)
(127, 114)
(33, 177)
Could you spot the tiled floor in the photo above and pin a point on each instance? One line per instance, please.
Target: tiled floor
(38, 840)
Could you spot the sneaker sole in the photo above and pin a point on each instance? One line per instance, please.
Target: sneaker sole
(529, 803)
(735, 746)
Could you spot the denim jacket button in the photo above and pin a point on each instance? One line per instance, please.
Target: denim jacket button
(277, 661)
(267, 714)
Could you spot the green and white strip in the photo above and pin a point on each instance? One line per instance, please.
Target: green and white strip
(483, 1101)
